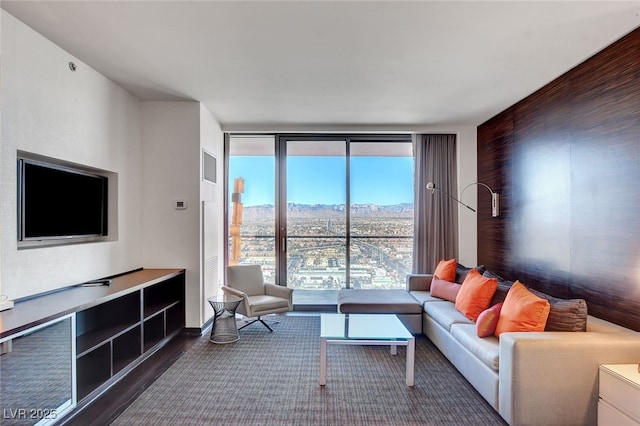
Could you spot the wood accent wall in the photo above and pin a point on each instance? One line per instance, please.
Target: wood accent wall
(566, 161)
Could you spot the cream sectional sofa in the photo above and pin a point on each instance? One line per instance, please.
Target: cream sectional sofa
(530, 378)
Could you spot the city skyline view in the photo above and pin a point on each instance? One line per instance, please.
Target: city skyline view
(324, 251)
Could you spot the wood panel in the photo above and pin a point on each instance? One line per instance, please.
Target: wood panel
(541, 198)
(605, 196)
(572, 160)
(494, 167)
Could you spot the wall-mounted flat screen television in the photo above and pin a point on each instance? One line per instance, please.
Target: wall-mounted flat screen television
(58, 202)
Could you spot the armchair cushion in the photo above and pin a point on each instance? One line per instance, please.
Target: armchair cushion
(246, 278)
(267, 304)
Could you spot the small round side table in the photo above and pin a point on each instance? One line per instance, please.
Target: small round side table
(224, 329)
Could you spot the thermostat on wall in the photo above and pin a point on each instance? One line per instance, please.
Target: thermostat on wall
(180, 204)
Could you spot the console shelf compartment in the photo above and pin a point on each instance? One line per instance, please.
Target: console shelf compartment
(102, 323)
(115, 335)
(154, 331)
(127, 348)
(162, 296)
(115, 327)
(93, 369)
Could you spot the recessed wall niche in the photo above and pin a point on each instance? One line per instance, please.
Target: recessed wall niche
(61, 202)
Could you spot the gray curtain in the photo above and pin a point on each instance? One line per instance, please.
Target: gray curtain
(436, 215)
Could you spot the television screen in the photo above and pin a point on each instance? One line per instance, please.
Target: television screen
(59, 202)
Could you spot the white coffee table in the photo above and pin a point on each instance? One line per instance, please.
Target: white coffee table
(365, 329)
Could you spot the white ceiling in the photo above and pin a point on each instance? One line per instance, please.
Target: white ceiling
(326, 65)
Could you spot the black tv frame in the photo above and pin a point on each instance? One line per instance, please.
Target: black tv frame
(71, 238)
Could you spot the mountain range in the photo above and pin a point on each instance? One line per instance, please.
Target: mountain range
(331, 210)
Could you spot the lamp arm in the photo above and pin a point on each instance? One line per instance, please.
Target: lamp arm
(495, 198)
(431, 186)
(476, 183)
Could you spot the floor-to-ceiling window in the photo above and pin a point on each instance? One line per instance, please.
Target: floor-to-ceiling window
(381, 186)
(322, 212)
(251, 193)
(315, 215)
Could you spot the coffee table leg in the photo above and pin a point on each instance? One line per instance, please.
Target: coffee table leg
(323, 361)
(411, 355)
(394, 349)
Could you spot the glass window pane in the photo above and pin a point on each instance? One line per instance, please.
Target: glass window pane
(316, 214)
(251, 203)
(381, 214)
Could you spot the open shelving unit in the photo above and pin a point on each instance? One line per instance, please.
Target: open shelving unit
(163, 308)
(110, 329)
(114, 336)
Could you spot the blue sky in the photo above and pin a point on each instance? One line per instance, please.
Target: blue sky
(320, 180)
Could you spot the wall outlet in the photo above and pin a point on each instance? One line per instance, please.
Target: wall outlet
(180, 204)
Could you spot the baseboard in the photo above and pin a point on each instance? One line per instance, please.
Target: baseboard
(316, 308)
(198, 331)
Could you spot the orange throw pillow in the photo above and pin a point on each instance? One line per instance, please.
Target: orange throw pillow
(446, 270)
(475, 294)
(522, 311)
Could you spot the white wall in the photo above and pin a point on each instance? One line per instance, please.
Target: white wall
(170, 163)
(173, 136)
(80, 117)
(212, 241)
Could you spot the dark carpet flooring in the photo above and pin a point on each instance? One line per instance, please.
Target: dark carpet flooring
(272, 379)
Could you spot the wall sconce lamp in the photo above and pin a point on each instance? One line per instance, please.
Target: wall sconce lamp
(495, 197)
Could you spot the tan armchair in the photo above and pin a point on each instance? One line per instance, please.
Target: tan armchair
(258, 298)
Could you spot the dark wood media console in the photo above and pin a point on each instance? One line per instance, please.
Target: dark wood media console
(116, 326)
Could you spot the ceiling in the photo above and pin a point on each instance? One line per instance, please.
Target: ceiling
(329, 65)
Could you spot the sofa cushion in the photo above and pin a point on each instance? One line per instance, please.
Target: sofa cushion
(475, 294)
(446, 270)
(424, 297)
(444, 289)
(486, 350)
(445, 314)
(488, 320)
(522, 311)
(565, 314)
(375, 301)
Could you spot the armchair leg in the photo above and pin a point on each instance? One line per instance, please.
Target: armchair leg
(262, 321)
(248, 324)
(265, 324)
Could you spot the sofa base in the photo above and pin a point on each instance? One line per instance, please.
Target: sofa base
(481, 377)
(374, 301)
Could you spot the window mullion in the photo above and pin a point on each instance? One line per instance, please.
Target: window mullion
(348, 213)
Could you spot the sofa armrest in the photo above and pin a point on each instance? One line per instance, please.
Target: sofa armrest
(279, 291)
(552, 377)
(419, 282)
